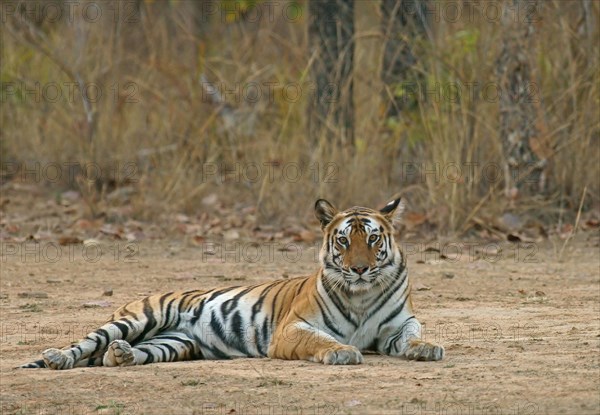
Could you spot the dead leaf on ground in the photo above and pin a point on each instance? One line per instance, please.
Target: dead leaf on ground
(421, 287)
(305, 236)
(198, 240)
(69, 240)
(84, 224)
(110, 230)
(12, 228)
(94, 304)
(33, 294)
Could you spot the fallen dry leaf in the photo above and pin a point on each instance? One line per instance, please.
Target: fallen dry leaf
(198, 240)
(33, 294)
(305, 236)
(69, 240)
(421, 287)
(94, 304)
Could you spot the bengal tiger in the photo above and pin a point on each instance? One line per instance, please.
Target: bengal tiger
(359, 300)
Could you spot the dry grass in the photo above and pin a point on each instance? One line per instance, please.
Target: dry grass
(154, 114)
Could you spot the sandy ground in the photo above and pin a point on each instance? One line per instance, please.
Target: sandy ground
(521, 332)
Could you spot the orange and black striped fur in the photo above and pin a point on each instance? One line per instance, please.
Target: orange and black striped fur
(358, 300)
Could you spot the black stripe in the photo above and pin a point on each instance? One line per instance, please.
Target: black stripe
(125, 311)
(150, 324)
(221, 291)
(392, 340)
(266, 334)
(393, 314)
(273, 319)
(257, 306)
(324, 311)
(149, 356)
(101, 333)
(218, 353)
(301, 285)
(217, 327)
(220, 332)
(336, 301)
(123, 327)
(390, 292)
(237, 324)
(198, 312)
(259, 344)
(78, 348)
(167, 314)
(297, 315)
(228, 306)
(173, 355)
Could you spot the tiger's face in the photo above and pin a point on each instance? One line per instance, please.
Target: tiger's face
(359, 251)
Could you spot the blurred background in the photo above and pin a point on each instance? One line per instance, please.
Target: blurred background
(482, 115)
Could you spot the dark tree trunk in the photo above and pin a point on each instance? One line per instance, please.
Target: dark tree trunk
(402, 21)
(331, 31)
(520, 109)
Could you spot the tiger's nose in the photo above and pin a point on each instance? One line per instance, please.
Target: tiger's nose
(360, 270)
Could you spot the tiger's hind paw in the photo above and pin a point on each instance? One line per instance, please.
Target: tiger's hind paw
(119, 353)
(421, 350)
(57, 359)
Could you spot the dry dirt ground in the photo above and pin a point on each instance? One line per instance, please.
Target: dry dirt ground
(521, 332)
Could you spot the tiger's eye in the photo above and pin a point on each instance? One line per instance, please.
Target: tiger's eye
(343, 240)
(373, 238)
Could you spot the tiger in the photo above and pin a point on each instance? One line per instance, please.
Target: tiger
(358, 301)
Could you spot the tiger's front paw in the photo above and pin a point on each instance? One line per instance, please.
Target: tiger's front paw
(421, 350)
(342, 355)
(119, 353)
(56, 359)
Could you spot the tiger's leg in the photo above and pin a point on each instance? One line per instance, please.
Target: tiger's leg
(134, 323)
(404, 339)
(164, 347)
(301, 341)
(94, 343)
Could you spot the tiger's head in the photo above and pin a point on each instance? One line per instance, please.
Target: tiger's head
(359, 251)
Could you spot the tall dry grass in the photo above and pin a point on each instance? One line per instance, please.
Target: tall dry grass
(156, 124)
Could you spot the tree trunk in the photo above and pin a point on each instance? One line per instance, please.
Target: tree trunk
(331, 32)
(402, 21)
(521, 119)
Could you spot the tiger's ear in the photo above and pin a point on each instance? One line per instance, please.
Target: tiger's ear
(393, 210)
(324, 211)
